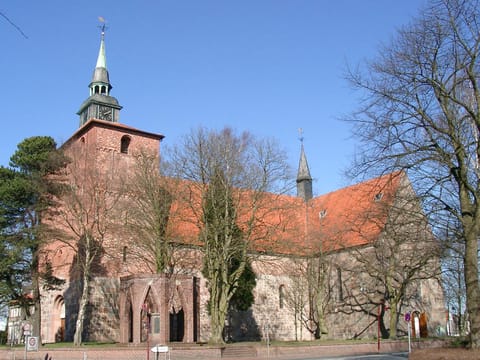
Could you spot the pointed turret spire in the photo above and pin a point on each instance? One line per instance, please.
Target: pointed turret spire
(100, 105)
(102, 58)
(100, 80)
(304, 179)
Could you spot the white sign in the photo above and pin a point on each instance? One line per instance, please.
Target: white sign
(160, 349)
(32, 343)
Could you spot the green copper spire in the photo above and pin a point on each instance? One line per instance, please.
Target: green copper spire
(100, 81)
(102, 58)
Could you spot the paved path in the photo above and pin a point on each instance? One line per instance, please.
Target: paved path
(395, 350)
(392, 356)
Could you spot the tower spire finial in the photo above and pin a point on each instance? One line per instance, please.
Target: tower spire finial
(102, 26)
(300, 133)
(102, 59)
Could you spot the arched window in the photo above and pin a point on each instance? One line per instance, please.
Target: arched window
(281, 296)
(124, 144)
(124, 254)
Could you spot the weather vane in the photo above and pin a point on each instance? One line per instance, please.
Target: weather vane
(300, 133)
(103, 25)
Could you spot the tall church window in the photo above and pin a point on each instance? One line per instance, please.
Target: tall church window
(124, 254)
(124, 144)
(281, 296)
(340, 285)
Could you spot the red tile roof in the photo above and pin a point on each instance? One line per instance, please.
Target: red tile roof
(352, 216)
(355, 215)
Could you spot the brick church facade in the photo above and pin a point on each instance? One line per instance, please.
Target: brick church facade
(130, 303)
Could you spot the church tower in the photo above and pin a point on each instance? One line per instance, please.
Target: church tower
(100, 105)
(304, 179)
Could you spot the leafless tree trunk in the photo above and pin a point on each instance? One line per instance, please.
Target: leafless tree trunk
(319, 294)
(453, 275)
(308, 293)
(421, 112)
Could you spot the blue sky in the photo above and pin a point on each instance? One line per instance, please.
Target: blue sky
(265, 66)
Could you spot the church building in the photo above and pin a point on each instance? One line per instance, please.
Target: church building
(342, 262)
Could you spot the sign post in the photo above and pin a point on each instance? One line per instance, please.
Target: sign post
(31, 342)
(408, 320)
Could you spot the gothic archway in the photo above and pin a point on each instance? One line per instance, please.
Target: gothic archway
(145, 315)
(58, 319)
(159, 309)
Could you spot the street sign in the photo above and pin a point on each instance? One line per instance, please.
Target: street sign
(27, 329)
(32, 343)
(408, 317)
(160, 349)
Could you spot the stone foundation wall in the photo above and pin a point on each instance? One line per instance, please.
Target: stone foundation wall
(103, 311)
(280, 319)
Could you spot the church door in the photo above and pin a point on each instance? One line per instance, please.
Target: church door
(177, 325)
(130, 323)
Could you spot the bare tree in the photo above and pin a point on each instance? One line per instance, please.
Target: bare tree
(84, 221)
(319, 294)
(403, 254)
(421, 112)
(228, 177)
(309, 293)
(150, 197)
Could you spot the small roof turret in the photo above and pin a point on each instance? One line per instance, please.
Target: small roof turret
(303, 169)
(304, 179)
